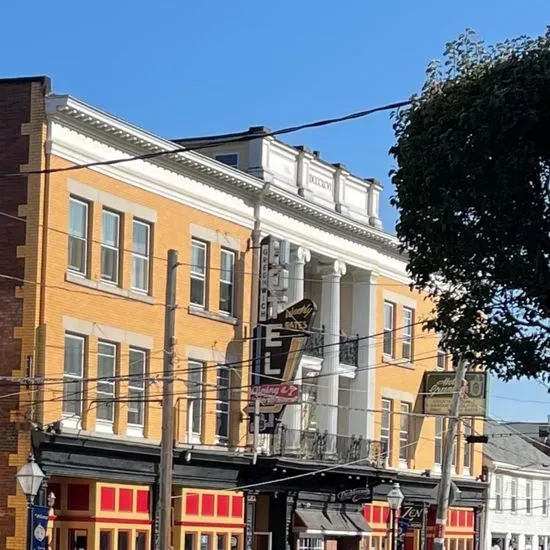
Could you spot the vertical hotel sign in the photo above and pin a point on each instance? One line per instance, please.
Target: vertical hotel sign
(279, 337)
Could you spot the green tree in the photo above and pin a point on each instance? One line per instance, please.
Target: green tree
(472, 191)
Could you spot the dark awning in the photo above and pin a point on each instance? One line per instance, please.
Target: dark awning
(332, 522)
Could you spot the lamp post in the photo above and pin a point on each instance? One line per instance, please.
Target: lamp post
(30, 478)
(395, 499)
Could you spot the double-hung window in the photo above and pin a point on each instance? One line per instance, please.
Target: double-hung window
(78, 236)
(110, 246)
(438, 441)
(514, 496)
(222, 404)
(136, 387)
(389, 326)
(467, 422)
(73, 375)
(529, 497)
(385, 428)
(141, 255)
(544, 506)
(407, 343)
(198, 273)
(404, 425)
(441, 359)
(498, 493)
(195, 400)
(227, 278)
(106, 370)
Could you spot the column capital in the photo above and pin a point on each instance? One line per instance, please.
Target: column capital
(363, 276)
(336, 268)
(300, 255)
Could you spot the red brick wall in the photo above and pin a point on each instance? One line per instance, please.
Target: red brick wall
(15, 110)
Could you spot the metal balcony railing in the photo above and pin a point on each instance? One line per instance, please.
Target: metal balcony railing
(349, 347)
(325, 447)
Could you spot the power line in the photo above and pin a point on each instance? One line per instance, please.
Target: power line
(215, 141)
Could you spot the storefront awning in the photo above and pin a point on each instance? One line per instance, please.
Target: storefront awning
(332, 522)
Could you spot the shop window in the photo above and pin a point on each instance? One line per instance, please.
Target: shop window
(141, 541)
(469, 544)
(236, 542)
(105, 540)
(310, 544)
(78, 539)
(460, 545)
(452, 544)
(123, 540)
(189, 541)
(205, 542)
(221, 542)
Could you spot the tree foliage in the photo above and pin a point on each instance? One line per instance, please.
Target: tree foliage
(472, 190)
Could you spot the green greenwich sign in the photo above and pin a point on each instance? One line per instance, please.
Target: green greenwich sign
(439, 389)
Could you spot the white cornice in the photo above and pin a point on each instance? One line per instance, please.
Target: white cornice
(120, 136)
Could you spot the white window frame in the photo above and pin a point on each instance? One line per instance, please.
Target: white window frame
(115, 249)
(528, 497)
(545, 496)
(85, 239)
(193, 401)
(404, 433)
(197, 275)
(229, 154)
(223, 405)
(389, 331)
(106, 424)
(229, 283)
(514, 496)
(145, 258)
(386, 431)
(310, 543)
(407, 349)
(438, 440)
(72, 378)
(498, 493)
(136, 428)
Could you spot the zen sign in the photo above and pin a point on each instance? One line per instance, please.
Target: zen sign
(414, 513)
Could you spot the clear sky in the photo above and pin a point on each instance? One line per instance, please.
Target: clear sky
(183, 69)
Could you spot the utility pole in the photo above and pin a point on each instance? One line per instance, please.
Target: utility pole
(167, 444)
(450, 442)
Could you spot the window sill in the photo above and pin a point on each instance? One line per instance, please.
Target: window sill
(108, 288)
(133, 430)
(104, 426)
(404, 363)
(71, 422)
(213, 316)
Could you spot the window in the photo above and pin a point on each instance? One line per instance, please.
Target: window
(441, 357)
(105, 540)
(220, 542)
(136, 387)
(498, 493)
(310, 544)
(205, 542)
(106, 369)
(407, 343)
(467, 422)
(189, 543)
(389, 321)
(514, 496)
(198, 273)
(141, 252)
(227, 274)
(123, 540)
(73, 375)
(529, 497)
(78, 235)
(545, 498)
(195, 398)
(141, 541)
(222, 403)
(438, 441)
(231, 159)
(385, 428)
(110, 246)
(404, 423)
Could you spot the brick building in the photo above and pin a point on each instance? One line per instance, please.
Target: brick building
(83, 288)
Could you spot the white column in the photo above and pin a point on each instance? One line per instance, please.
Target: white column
(327, 384)
(292, 414)
(363, 323)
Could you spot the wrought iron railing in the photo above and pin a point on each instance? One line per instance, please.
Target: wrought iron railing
(349, 347)
(325, 447)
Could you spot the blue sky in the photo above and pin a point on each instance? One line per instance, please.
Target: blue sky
(180, 69)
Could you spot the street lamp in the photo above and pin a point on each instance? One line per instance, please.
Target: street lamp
(30, 478)
(395, 499)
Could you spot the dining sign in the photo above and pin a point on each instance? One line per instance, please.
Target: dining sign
(439, 390)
